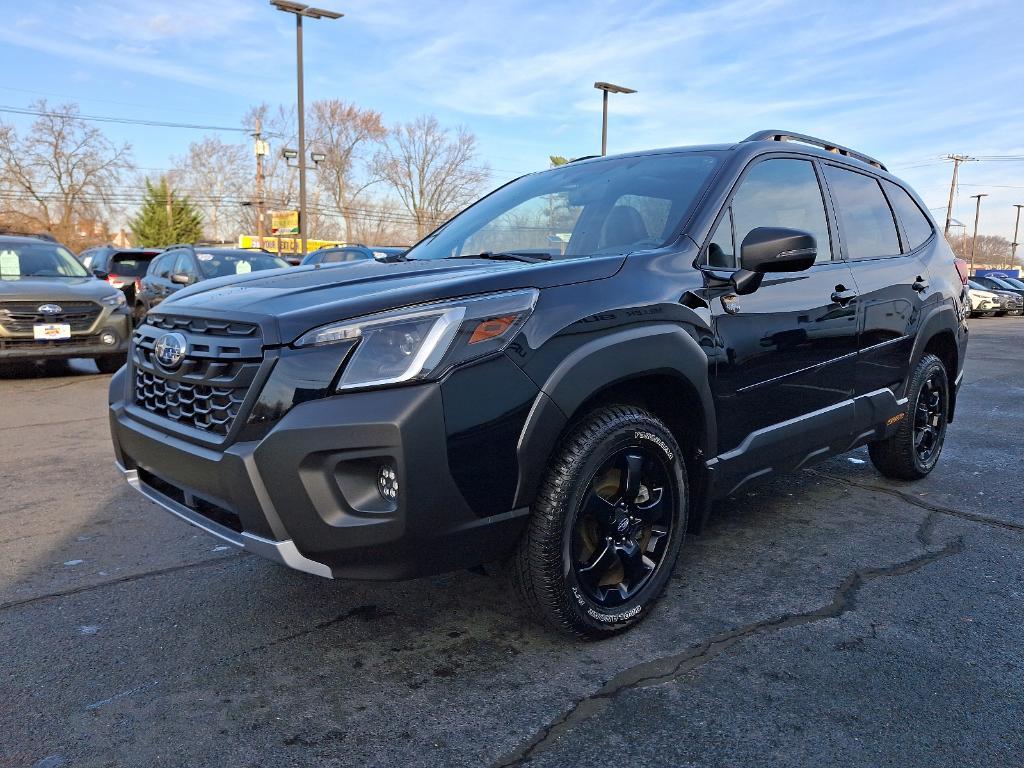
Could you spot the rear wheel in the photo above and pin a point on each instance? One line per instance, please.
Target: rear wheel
(607, 525)
(913, 451)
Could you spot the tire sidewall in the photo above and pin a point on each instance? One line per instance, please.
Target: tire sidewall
(924, 373)
(651, 434)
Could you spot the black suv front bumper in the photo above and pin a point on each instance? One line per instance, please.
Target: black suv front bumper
(305, 494)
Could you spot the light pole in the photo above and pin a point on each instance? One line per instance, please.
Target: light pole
(974, 240)
(607, 88)
(1013, 245)
(299, 11)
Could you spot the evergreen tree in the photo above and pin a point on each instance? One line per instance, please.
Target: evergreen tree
(151, 225)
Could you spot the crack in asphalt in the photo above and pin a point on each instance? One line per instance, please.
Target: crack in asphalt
(973, 517)
(669, 668)
(55, 423)
(130, 577)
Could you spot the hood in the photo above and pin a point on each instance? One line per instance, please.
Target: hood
(288, 302)
(56, 289)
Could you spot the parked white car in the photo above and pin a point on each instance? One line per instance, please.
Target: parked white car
(983, 302)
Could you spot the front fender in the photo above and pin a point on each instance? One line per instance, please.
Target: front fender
(615, 357)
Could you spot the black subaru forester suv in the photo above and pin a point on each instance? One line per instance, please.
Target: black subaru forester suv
(563, 377)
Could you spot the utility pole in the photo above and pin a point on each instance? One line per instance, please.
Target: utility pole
(260, 147)
(974, 240)
(300, 10)
(957, 159)
(170, 210)
(1013, 245)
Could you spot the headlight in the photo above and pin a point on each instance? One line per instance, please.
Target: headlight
(117, 300)
(420, 342)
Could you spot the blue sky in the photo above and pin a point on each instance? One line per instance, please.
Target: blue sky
(906, 82)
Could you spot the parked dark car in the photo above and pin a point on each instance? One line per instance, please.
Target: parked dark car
(52, 307)
(121, 267)
(346, 254)
(563, 377)
(183, 265)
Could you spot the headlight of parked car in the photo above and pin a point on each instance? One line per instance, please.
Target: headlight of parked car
(426, 341)
(116, 300)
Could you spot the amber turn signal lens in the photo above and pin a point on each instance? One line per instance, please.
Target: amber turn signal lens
(492, 328)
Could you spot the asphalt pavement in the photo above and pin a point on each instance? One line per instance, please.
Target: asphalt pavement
(829, 618)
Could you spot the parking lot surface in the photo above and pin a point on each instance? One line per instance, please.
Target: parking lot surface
(829, 618)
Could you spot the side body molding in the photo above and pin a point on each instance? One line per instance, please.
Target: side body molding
(635, 351)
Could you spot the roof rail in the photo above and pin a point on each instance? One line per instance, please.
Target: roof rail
(179, 245)
(828, 146)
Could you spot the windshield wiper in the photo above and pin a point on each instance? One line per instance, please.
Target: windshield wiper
(530, 258)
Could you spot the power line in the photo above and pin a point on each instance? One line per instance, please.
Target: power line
(119, 120)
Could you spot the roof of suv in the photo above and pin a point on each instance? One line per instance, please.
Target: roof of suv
(759, 142)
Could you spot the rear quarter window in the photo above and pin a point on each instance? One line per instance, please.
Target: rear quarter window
(916, 224)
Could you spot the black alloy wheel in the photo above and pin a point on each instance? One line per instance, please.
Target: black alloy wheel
(624, 524)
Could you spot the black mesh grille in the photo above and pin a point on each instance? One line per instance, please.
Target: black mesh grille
(208, 389)
(20, 316)
(198, 405)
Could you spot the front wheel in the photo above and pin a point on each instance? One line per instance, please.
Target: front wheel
(607, 525)
(110, 363)
(913, 450)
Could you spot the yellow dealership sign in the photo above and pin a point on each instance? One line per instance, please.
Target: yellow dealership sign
(278, 244)
(284, 222)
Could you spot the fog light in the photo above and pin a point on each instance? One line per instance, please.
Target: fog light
(108, 338)
(387, 482)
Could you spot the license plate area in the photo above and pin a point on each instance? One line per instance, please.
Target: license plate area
(51, 331)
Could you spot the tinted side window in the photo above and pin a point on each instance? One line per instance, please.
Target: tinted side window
(782, 193)
(916, 224)
(185, 265)
(162, 266)
(721, 252)
(865, 218)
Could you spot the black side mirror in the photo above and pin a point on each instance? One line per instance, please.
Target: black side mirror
(772, 249)
(180, 278)
(101, 274)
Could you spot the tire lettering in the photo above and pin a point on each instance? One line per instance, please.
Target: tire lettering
(657, 441)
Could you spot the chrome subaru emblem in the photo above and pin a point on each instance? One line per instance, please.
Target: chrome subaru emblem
(50, 309)
(170, 349)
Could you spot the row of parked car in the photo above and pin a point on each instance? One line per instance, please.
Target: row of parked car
(995, 294)
(56, 305)
(148, 276)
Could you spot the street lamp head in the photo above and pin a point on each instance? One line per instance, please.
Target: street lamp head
(317, 157)
(612, 88)
(289, 154)
(301, 9)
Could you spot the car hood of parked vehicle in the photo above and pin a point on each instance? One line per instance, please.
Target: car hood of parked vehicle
(288, 302)
(56, 289)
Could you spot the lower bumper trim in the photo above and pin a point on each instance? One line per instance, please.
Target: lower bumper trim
(283, 552)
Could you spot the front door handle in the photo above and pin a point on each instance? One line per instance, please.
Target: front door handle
(920, 284)
(843, 295)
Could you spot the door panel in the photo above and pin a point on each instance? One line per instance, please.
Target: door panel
(786, 356)
(788, 350)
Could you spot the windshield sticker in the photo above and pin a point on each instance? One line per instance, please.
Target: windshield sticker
(242, 267)
(204, 256)
(10, 264)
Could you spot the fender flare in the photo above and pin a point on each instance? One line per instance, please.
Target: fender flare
(597, 364)
(940, 318)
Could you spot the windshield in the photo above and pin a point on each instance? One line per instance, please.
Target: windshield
(224, 264)
(131, 264)
(608, 207)
(18, 260)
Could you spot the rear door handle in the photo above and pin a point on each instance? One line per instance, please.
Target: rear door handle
(920, 284)
(843, 296)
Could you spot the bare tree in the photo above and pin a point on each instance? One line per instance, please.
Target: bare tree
(434, 171)
(62, 176)
(345, 134)
(218, 178)
(991, 250)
